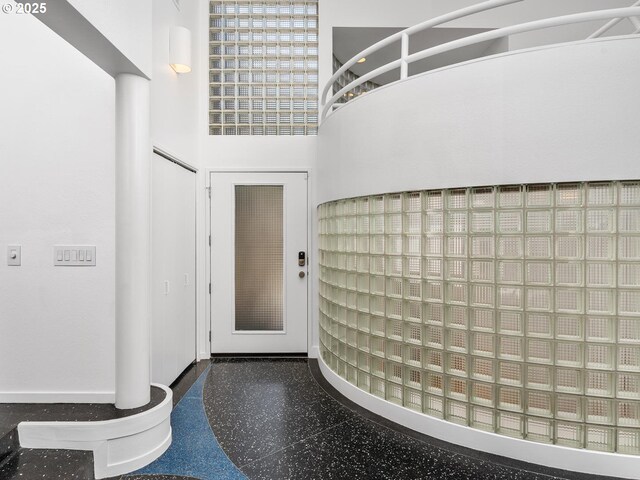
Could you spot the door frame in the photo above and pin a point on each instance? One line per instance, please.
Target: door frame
(310, 243)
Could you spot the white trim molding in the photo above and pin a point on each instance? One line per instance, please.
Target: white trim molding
(119, 446)
(555, 456)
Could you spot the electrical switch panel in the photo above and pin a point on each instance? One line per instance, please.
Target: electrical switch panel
(74, 256)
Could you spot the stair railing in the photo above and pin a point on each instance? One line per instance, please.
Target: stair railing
(614, 15)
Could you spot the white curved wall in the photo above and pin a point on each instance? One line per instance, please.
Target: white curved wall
(552, 114)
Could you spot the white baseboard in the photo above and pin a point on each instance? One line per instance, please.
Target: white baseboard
(57, 397)
(119, 446)
(555, 456)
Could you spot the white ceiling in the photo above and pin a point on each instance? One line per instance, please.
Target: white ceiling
(349, 41)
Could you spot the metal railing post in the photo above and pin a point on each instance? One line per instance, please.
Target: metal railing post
(404, 53)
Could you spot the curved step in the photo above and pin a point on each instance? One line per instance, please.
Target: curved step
(119, 445)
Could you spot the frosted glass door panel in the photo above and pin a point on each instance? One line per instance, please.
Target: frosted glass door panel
(258, 257)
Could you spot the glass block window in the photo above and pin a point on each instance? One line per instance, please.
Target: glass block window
(345, 79)
(263, 67)
(513, 309)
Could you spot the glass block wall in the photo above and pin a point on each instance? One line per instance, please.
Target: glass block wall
(263, 67)
(345, 79)
(511, 309)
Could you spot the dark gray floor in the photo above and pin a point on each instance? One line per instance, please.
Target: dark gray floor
(28, 464)
(275, 421)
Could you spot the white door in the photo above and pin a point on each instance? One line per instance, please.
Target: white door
(258, 287)
(173, 259)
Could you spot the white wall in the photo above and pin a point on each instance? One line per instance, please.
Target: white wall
(549, 114)
(126, 23)
(175, 104)
(174, 97)
(57, 186)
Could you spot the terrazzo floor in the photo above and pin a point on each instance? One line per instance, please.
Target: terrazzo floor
(26, 464)
(29, 464)
(278, 419)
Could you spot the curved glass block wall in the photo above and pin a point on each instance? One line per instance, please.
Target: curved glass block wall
(512, 309)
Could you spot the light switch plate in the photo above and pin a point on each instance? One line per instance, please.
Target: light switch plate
(14, 255)
(74, 255)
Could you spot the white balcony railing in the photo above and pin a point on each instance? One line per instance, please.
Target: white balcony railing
(614, 16)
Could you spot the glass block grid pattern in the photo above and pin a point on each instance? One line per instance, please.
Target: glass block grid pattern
(263, 67)
(345, 79)
(511, 309)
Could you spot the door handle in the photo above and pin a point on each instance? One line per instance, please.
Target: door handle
(301, 274)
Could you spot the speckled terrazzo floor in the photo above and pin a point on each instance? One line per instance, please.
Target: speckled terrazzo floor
(276, 421)
(194, 451)
(279, 419)
(28, 464)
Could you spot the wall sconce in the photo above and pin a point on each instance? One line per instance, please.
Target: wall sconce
(180, 49)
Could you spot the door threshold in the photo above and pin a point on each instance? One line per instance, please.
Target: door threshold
(260, 355)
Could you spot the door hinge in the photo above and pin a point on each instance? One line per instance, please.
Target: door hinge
(209, 288)
(209, 240)
(209, 191)
(209, 336)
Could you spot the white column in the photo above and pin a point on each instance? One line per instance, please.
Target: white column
(133, 220)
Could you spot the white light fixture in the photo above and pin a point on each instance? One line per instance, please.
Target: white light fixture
(180, 49)
(362, 60)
